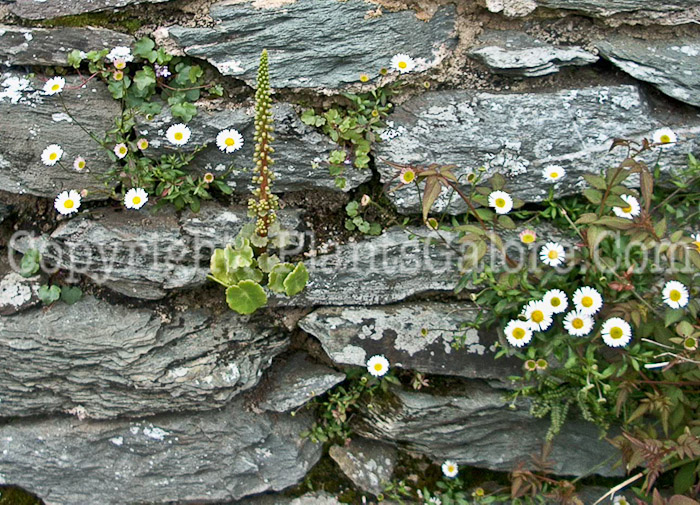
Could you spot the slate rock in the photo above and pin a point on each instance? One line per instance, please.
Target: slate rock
(143, 254)
(516, 53)
(300, 150)
(520, 134)
(475, 427)
(672, 65)
(306, 499)
(99, 360)
(368, 464)
(50, 46)
(351, 335)
(296, 381)
(346, 40)
(32, 121)
(17, 293)
(202, 457)
(41, 9)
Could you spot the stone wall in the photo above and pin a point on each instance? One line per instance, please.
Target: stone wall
(149, 390)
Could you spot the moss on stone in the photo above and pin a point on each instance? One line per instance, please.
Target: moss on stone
(326, 477)
(116, 21)
(13, 495)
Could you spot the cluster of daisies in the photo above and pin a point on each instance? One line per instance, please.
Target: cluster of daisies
(401, 63)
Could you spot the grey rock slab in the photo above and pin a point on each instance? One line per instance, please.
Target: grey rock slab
(201, 457)
(98, 360)
(143, 254)
(300, 150)
(516, 53)
(368, 464)
(50, 46)
(296, 381)
(306, 499)
(17, 293)
(32, 121)
(344, 42)
(351, 335)
(475, 427)
(520, 134)
(673, 65)
(379, 270)
(41, 9)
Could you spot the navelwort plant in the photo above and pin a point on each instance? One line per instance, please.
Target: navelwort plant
(245, 266)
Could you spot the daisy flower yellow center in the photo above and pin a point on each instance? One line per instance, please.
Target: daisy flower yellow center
(587, 301)
(627, 209)
(537, 316)
(518, 333)
(178, 135)
(122, 149)
(555, 302)
(528, 239)
(553, 254)
(378, 367)
(554, 175)
(500, 202)
(408, 176)
(675, 295)
(81, 164)
(577, 323)
(53, 156)
(69, 204)
(229, 141)
(402, 64)
(55, 87)
(365, 77)
(665, 139)
(616, 332)
(136, 200)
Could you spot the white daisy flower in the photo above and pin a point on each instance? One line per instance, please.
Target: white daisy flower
(501, 202)
(403, 63)
(229, 140)
(378, 365)
(142, 144)
(79, 164)
(67, 202)
(450, 469)
(578, 324)
(616, 332)
(675, 294)
(528, 236)
(51, 155)
(538, 315)
(664, 136)
(620, 500)
(553, 173)
(135, 198)
(552, 254)
(556, 300)
(632, 209)
(696, 241)
(54, 85)
(122, 53)
(518, 333)
(407, 176)
(178, 134)
(587, 300)
(121, 150)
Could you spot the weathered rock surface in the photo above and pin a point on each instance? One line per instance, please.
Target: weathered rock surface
(350, 335)
(307, 499)
(32, 121)
(295, 382)
(519, 134)
(674, 12)
(143, 254)
(347, 40)
(17, 293)
(475, 427)
(516, 53)
(41, 9)
(377, 271)
(99, 360)
(369, 465)
(206, 457)
(300, 150)
(672, 65)
(47, 46)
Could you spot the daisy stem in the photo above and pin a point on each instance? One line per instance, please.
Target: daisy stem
(573, 225)
(80, 125)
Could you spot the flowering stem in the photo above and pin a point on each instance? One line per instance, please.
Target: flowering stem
(80, 125)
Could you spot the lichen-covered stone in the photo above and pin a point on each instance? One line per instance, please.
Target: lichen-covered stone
(369, 465)
(32, 121)
(41, 9)
(143, 254)
(671, 65)
(572, 128)
(346, 40)
(17, 293)
(203, 457)
(50, 46)
(98, 360)
(516, 53)
(351, 335)
(475, 427)
(295, 382)
(300, 150)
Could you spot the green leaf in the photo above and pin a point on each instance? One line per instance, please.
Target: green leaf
(685, 478)
(185, 111)
(277, 276)
(75, 58)
(506, 222)
(337, 157)
(498, 182)
(246, 297)
(594, 196)
(351, 208)
(145, 78)
(31, 261)
(596, 181)
(144, 48)
(673, 316)
(49, 294)
(267, 262)
(297, 280)
(71, 294)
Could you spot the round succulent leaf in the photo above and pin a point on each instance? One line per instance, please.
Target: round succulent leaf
(277, 276)
(246, 297)
(296, 281)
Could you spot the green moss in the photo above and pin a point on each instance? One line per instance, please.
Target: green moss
(117, 21)
(326, 477)
(12, 495)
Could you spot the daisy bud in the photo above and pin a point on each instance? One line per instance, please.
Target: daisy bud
(365, 200)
